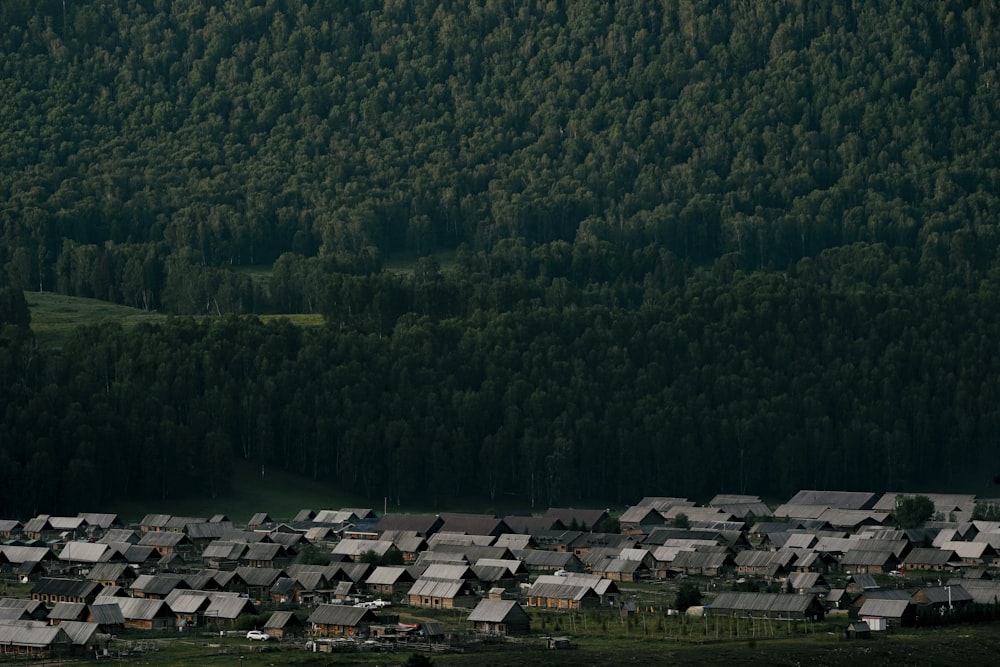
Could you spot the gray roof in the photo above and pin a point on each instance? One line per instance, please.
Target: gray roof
(142, 609)
(700, 559)
(265, 551)
(67, 587)
(188, 602)
(983, 591)
(80, 632)
(848, 500)
(944, 594)
(119, 535)
(163, 539)
(68, 611)
(929, 556)
(355, 547)
(447, 571)
(107, 614)
(282, 619)
(771, 602)
(100, 519)
(496, 611)
(33, 634)
(86, 552)
(229, 606)
(438, 588)
(867, 557)
(206, 530)
(16, 554)
(553, 559)
(107, 571)
(335, 614)
(225, 550)
(260, 576)
(560, 591)
(881, 608)
(388, 575)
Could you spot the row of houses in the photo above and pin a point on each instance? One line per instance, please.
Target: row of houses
(557, 560)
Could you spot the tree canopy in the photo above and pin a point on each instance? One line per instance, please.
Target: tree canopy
(681, 247)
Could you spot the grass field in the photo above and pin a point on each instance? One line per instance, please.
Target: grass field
(54, 316)
(952, 646)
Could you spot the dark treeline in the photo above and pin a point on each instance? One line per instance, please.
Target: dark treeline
(144, 139)
(860, 368)
(699, 246)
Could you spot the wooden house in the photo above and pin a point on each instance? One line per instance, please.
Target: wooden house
(284, 624)
(166, 542)
(890, 613)
(499, 617)
(927, 559)
(766, 605)
(112, 574)
(638, 520)
(258, 580)
(34, 640)
(943, 597)
(389, 581)
(51, 591)
(329, 620)
(869, 561)
(144, 614)
(424, 525)
(563, 596)
(433, 593)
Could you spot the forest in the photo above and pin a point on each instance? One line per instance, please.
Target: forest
(693, 247)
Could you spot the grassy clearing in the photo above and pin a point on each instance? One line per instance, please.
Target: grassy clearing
(952, 646)
(54, 316)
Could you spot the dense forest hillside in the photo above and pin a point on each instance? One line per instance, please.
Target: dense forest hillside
(757, 235)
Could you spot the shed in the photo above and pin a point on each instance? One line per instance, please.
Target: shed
(858, 630)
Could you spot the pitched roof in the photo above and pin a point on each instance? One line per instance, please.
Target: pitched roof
(102, 520)
(881, 608)
(334, 614)
(86, 552)
(33, 634)
(525, 525)
(582, 517)
(497, 611)
(163, 539)
(229, 606)
(423, 524)
(224, 550)
(282, 619)
(560, 591)
(68, 611)
(65, 587)
(438, 588)
(260, 576)
(389, 575)
(773, 602)
(847, 500)
(107, 614)
(355, 547)
(928, 556)
(142, 609)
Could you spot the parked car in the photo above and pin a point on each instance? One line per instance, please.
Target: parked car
(257, 635)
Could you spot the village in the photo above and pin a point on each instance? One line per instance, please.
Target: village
(351, 579)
